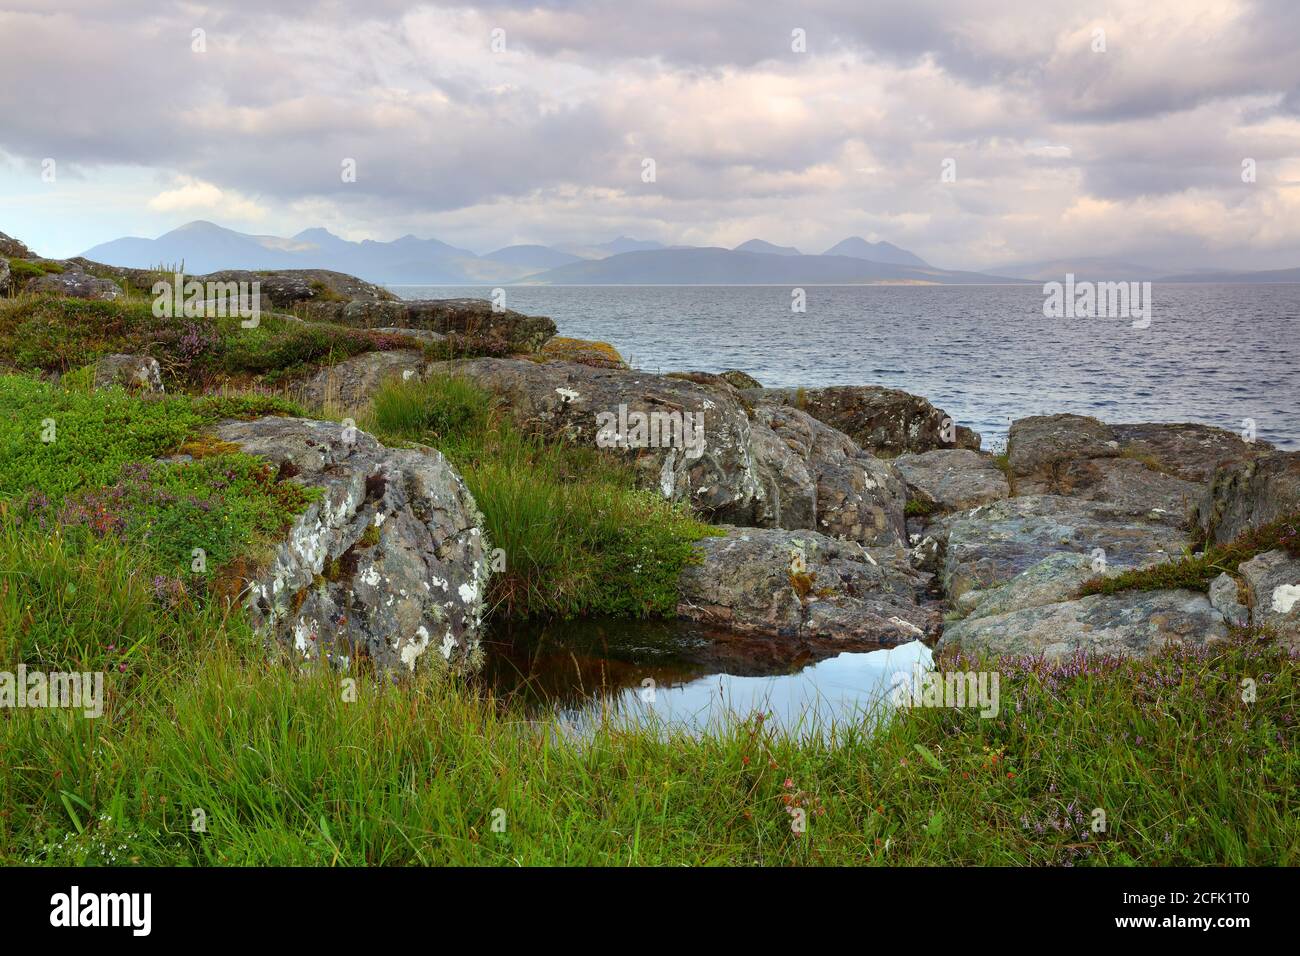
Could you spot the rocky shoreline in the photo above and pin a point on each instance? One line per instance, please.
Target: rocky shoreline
(857, 515)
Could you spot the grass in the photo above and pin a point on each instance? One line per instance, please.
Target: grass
(1195, 572)
(578, 536)
(52, 334)
(280, 767)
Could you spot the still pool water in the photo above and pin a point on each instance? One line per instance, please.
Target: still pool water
(683, 677)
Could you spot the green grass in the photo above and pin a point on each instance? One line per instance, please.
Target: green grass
(286, 770)
(1195, 572)
(578, 536)
(917, 508)
(52, 334)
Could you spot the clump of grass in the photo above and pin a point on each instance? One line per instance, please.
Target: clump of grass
(1195, 572)
(578, 535)
(920, 508)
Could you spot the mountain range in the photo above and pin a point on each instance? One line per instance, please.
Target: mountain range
(204, 247)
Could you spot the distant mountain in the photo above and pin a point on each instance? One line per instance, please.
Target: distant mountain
(612, 248)
(536, 258)
(1207, 275)
(1084, 268)
(716, 266)
(857, 248)
(759, 245)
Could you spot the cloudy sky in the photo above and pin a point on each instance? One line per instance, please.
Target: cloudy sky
(1073, 127)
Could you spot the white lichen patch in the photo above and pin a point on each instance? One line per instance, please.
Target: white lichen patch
(907, 626)
(1285, 597)
(412, 649)
(568, 394)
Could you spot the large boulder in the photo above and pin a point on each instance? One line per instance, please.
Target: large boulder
(1249, 494)
(351, 384)
(583, 352)
(1274, 581)
(471, 321)
(1129, 624)
(707, 461)
(854, 495)
(1152, 465)
(806, 586)
(11, 248)
(990, 545)
(390, 563)
(879, 419)
(952, 479)
(75, 284)
(307, 288)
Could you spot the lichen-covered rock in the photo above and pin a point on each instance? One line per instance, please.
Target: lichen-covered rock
(705, 460)
(351, 384)
(738, 379)
(1129, 624)
(472, 321)
(855, 495)
(286, 288)
(1224, 598)
(993, 543)
(74, 284)
(1052, 580)
(1250, 494)
(4, 275)
(952, 479)
(391, 563)
(583, 352)
(1152, 464)
(805, 585)
(878, 419)
(140, 373)
(1274, 581)
(11, 248)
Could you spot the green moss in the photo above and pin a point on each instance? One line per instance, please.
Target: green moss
(918, 508)
(1195, 571)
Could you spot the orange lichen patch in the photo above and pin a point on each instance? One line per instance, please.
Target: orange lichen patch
(583, 352)
(207, 446)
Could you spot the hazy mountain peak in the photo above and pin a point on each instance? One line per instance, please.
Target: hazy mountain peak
(855, 247)
(762, 245)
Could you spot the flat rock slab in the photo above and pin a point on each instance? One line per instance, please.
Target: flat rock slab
(802, 585)
(1052, 580)
(473, 319)
(1274, 581)
(952, 479)
(990, 545)
(1131, 624)
(390, 563)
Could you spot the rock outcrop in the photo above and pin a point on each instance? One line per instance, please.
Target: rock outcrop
(391, 563)
(140, 373)
(1129, 624)
(1249, 494)
(804, 585)
(879, 419)
(351, 384)
(305, 288)
(472, 320)
(1274, 581)
(75, 284)
(952, 479)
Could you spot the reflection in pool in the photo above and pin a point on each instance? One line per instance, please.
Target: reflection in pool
(686, 677)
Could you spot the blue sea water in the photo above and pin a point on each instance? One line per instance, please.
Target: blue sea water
(1217, 354)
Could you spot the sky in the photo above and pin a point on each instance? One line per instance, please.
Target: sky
(1165, 132)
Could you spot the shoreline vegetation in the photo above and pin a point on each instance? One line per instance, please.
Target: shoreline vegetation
(221, 746)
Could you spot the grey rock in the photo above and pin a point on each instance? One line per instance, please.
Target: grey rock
(1274, 581)
(140, 373)
(1052, 580)
(1224, 599)
(738, 379)
(11, 248)
(307, 288)
(1038, 445)
(952, 479)
(1250, 494)
(423, 335)
(77, 285)
(563, 400)
(990, 545)
(879, 419)
(804, 585)
(856, 496)
(4, 275)
(351, 384)
(1129, 624)
(472, 321)
(391, 563)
